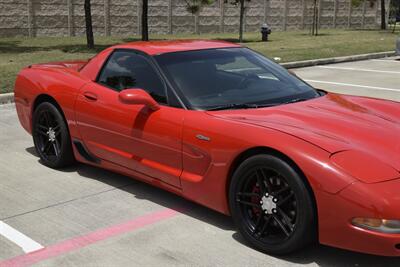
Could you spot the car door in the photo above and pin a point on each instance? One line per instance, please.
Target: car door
(132, 136)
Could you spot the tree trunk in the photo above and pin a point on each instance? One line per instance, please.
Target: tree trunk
(383, 15)
(89, 27)
(241, 21)
(145, 26)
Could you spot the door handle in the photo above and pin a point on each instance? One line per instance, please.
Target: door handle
(90, 96)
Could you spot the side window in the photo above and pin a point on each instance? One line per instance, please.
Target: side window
(126, 69)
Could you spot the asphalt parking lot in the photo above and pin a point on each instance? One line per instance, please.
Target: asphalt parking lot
(85, 216)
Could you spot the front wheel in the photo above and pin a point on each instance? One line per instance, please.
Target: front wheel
(271, 205)
(51, 136)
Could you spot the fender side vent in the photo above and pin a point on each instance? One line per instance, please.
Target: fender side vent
(85, 153)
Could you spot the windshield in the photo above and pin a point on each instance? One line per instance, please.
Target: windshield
(231, 78)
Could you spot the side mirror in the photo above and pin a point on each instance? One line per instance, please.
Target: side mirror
(138, 97)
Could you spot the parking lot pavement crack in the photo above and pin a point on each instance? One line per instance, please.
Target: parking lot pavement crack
(68, 201)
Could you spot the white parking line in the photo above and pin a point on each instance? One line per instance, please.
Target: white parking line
(355, 69)
(355, 85)
(27, 244)
(386, 60)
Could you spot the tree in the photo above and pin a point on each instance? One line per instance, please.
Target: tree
(241, 17)
(372, 3)
(383, 15)
(194, 6)
(145, 25)
(89, 26)
(315, 20)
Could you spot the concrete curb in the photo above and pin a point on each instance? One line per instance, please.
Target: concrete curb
(6, 98)
(324, 61)
(9, 97)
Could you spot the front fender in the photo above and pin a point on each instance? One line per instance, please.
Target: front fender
(207, 163)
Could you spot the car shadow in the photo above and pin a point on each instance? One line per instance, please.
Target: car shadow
(142, 190)
(329, 256)
(318, 254)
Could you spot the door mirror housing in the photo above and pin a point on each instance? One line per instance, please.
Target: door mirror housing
(137, 96)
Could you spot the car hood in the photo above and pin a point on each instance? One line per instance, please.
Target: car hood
(334, 123)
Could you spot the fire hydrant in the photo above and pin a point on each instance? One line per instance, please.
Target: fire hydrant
(265, 31)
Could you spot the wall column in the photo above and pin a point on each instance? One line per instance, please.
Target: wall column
(139, 17)
(107, 30)
(319, 14)
(363, 14)
(196, 23)
(304, 14)
(265, 11)
(335, 11)
(170, 16)
(30, 18)
(350, 11)
(222, 16)
(285, 13)
(70, 18)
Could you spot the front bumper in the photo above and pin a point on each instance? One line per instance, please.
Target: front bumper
(335, 212)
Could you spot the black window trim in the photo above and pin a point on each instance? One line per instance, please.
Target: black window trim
(167, 86)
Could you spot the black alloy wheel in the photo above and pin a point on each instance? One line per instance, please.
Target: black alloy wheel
(271, 205)
(51, 136)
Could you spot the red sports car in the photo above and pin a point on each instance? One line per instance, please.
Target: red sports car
(227, 128)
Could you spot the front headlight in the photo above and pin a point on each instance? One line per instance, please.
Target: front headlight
(378, 225)
(364, 167)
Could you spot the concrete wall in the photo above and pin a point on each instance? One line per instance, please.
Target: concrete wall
(122, 17)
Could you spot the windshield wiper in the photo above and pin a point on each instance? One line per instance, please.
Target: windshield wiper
(233, 106)
(241, 106)
(249, 105)
(295, 100)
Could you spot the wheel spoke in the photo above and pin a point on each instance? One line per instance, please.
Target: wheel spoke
(282, 190)
(56, 147)
(248, 203)
(47, 118)
(42, 127)
(265, 226)
(260, 183)
(244, 194)
(258, 224)
(281, 225)
(42, 132)
(267, 181)
(46, 146)
(57, 130)
(286, 219)
(285, 199)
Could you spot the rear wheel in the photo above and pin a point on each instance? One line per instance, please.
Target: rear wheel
(271, 205)
(51, 136)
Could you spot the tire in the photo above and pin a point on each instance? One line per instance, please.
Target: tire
(271, 206)
(51, 137)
